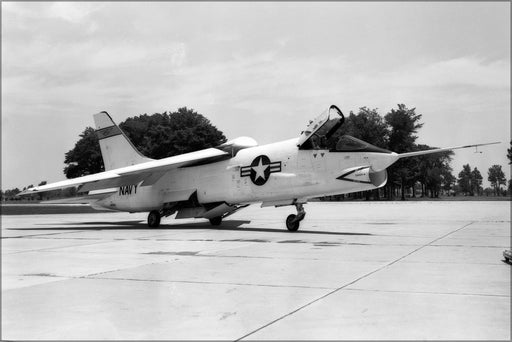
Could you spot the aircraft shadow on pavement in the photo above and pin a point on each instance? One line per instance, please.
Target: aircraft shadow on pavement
(233, 225)
(137, 224)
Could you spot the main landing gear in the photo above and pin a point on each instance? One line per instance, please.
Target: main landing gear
(154, 218)
(216, 221)
(293, 221)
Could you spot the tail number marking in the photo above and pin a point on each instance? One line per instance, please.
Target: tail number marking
(127, 190)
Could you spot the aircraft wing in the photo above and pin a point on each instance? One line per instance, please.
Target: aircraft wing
(87, 199)
(437, 150)
(149, 172)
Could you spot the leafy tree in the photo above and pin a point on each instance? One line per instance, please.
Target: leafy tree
(10, 194)
(470, 182)
(488, 191)
(423, 164)
(13, 192)
(464, 180)
(165, 135)
(403, 124)
(476, 181)
(433, 171)
(448, 181)
(156, 136)
(368, 126)
(439, 173)
(434, 180)
(85, 157)
(496, 177)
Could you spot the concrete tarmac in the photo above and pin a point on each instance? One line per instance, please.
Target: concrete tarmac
(365, 270)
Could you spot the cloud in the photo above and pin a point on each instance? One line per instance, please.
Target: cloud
(224, 36)
(70, 11)
(19, 9)
(468, 71)
(178, 54)
(73, 11)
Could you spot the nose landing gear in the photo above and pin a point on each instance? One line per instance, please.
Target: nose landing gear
(293, 221)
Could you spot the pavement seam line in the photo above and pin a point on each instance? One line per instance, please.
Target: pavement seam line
(429, 292)
(45, 234)
(205, 282)
(54, 249)
(350, 283)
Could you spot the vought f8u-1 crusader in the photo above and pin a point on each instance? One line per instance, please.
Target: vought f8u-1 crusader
(216, 182)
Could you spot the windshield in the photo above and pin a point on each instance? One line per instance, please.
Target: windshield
(318, 131)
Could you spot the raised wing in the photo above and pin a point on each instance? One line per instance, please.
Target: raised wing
(90, 198)
(149, 172)
(437, 150)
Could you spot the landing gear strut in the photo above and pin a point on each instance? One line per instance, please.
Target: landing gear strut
(154, 218)
(293, 221)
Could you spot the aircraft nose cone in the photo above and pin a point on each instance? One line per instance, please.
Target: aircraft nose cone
(379, 178)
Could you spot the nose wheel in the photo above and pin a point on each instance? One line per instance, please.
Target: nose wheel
(293, 221)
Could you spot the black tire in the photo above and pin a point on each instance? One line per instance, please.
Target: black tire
(292, 225)
(154, 219)
(216, 221)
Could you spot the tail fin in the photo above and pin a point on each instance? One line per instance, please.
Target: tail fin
(116, 149)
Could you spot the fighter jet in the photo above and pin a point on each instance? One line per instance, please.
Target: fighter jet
(216, 182)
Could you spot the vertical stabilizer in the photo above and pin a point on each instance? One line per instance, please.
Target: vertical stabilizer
(117, 151)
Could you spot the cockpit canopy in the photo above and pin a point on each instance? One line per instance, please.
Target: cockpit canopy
(347, 143)
(323, 132)
(324, 125)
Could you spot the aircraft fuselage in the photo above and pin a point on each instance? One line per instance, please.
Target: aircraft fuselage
(269, 173)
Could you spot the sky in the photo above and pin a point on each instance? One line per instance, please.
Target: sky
(253, 69)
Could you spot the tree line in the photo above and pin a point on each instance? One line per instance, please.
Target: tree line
(470, 182)
(162, 135)
(430, 174)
